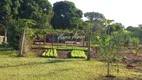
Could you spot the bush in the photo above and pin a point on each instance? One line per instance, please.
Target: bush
(77, 54)
(1, 45)
(50, 53)
(115, 59)
(124, 58)
(44, 53)
(5, 44)
(134, 52)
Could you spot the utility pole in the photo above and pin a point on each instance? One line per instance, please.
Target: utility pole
(22, 43)
(89, 38)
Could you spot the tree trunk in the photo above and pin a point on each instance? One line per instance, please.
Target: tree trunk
(108, 70)
(117, 68)
(22, 44)
(96, 49)
(5, 35)
(44, 39)
(52, 40)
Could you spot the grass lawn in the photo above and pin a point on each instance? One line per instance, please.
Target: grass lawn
(36, 68)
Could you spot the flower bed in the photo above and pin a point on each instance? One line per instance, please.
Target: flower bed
(65, 48)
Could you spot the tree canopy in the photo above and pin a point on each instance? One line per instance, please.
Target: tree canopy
(38, 10)
(94, 16)
(97, 19)
(8, 10)
(64, 11)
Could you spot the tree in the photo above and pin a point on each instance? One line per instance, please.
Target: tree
(135, 45)
(115, 27)
(130, 28)
(107, 48)
(76, 23)
(65, 13)
(1, 29)
(16, 30)
(25, 26)
(136, 32)
(8, 10)
(122, 38)
(94, 16)
(107, 25)
(110, 44)
(37, 10)
(97, 19)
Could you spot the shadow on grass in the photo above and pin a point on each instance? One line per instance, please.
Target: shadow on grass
(116, 78)
(51, 73)
(26, 64)
(35, 63)
(58, 61)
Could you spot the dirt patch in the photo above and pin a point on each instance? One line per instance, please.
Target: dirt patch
(130, 66)
(132, 58)
(63, 54)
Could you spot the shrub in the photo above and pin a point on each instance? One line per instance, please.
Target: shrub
(77, 54)
(134, 52)
(124, 58)
(5, 44)
(55, 52)
(115, 59)
(44, 53)
(50, 53)
(0, 44)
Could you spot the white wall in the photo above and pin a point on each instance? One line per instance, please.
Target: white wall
(1, 39)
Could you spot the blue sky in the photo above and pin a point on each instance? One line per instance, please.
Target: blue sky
(127, 12)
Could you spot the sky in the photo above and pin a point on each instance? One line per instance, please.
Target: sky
(127, 12)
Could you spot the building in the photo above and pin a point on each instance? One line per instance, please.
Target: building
(1, 33)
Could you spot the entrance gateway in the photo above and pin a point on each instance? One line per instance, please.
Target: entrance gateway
(64, 39)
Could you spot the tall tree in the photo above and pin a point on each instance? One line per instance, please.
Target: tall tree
(130, 28)
(97, 19)
(115, 27)
(8, 10)
(94, 16)
(64, 11)
(38, 10)
(136, 32)
(107, 25)
(76, 23)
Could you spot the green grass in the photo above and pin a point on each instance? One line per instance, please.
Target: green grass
(65, 48)
(2, 48)
(36, 68)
